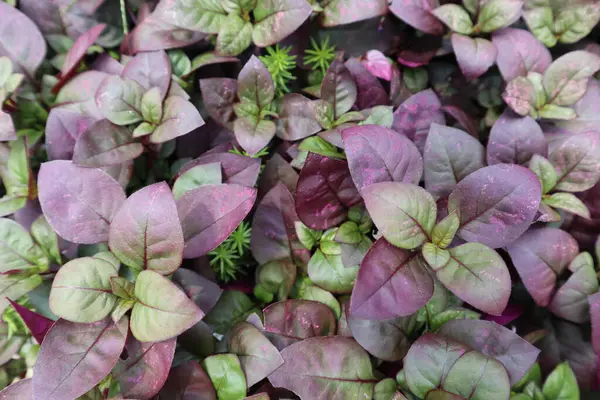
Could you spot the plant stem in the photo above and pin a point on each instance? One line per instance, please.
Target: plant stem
(124, 17)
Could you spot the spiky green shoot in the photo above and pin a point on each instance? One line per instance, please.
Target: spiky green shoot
(320, 55)
(280, 63)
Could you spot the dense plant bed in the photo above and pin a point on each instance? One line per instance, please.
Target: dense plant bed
(314, 199)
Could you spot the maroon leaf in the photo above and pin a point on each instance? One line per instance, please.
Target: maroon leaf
(104, 144)
(235, 168)
(493, 340)
(188, 381)
(377, 154)
(20, 390)
(277, 170)
(146, 233)
(325, 191)
(150, 69)
(37, 324)
(539, 256)
(391, 282)
(570, 301)
(465, 120)
(341, 12)
(77, 52)
(205, 293)
(474, 56)
(514, 140)
(414, 117)
(339, 89)
(219, 95)
(79, 203)
(75, 357)
(179, 118)
(296, 118)
(519, 52)
(273, 232)
(496, 204)
(63, 128)
(450, 155)
(386, 340)
(210, 213)
(146, 368)
(370, 91)
(417, 13)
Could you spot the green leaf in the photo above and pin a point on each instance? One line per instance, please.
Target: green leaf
(451, 314)
(81, 290)
(496, 14)
(435, 256)
(561, 384)
(225, 373)
(568, 202)
(328, 272)
(123, 288)
(378, 115)
(576, 159)
(277, 277)
(545, 172)
(477, 377)
(533, 391)
(18, 251)
(537, 80)
(360, 215)
(232, 307)
(121, 309)
(444, 231)
(533, 375)
(307, 236)
(162, 310)
(385, 389)
(348, 233)
(47, 239)
(206, 16)
(180, 63)
(15, 286)
(16, 173)
(6, 69)
(455, 17)
(540, 21)
(120, 99)
(478, 275)
(566, 79)
(352, 116)
(415, 79)
(239, 6)
(552, 111)
(143, 129)
(574, 22)
(405, 214)
(258, 357)
(315, 293)
(152, 106)
(108, 257)
(323, 111)
(276, 19)
(316, 144)
(204, 174)
(234, 37)
(583, 259)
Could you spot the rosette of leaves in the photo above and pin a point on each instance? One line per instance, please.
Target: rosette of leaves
(237, 23)
(17, 177)
(550, 94)
(475, 55)
(555, 22)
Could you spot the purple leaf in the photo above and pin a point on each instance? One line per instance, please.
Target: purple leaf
(77, 52)
(414, 117)
(200, 290)
(218, 95)
(386, 340)
(63, 128)
(75, 357)
(37, 324)
(179, 118)
(258, 357)
(519, 52)
(253, 134)
(417, 13)
(20, 390)
(510, 313)
(335, 368)
(277, 170)
(474, 56)
(570, 302)
(539, 256)
(105, 63)
(146, 368)
(370, 91)
(80, 93)
(146, 233)
(296, 320)
(210, 213)
(21, 41)
(188, 381)
(79, 203)
(594, 302)
(520, 95)
(255, 84)
(450, 155)
(296, 118)
(7, 128)
(150, 69)
(391, 282)
(104, 144)
(576, 159)
(377, 64)
(275, 20)
(341, 12)
(467, 122)
(339, 89)
(235, 168)
(377, 154)
(325, 191)
(493, 340)
(273, 233)
(496, 204)
(514, 140)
